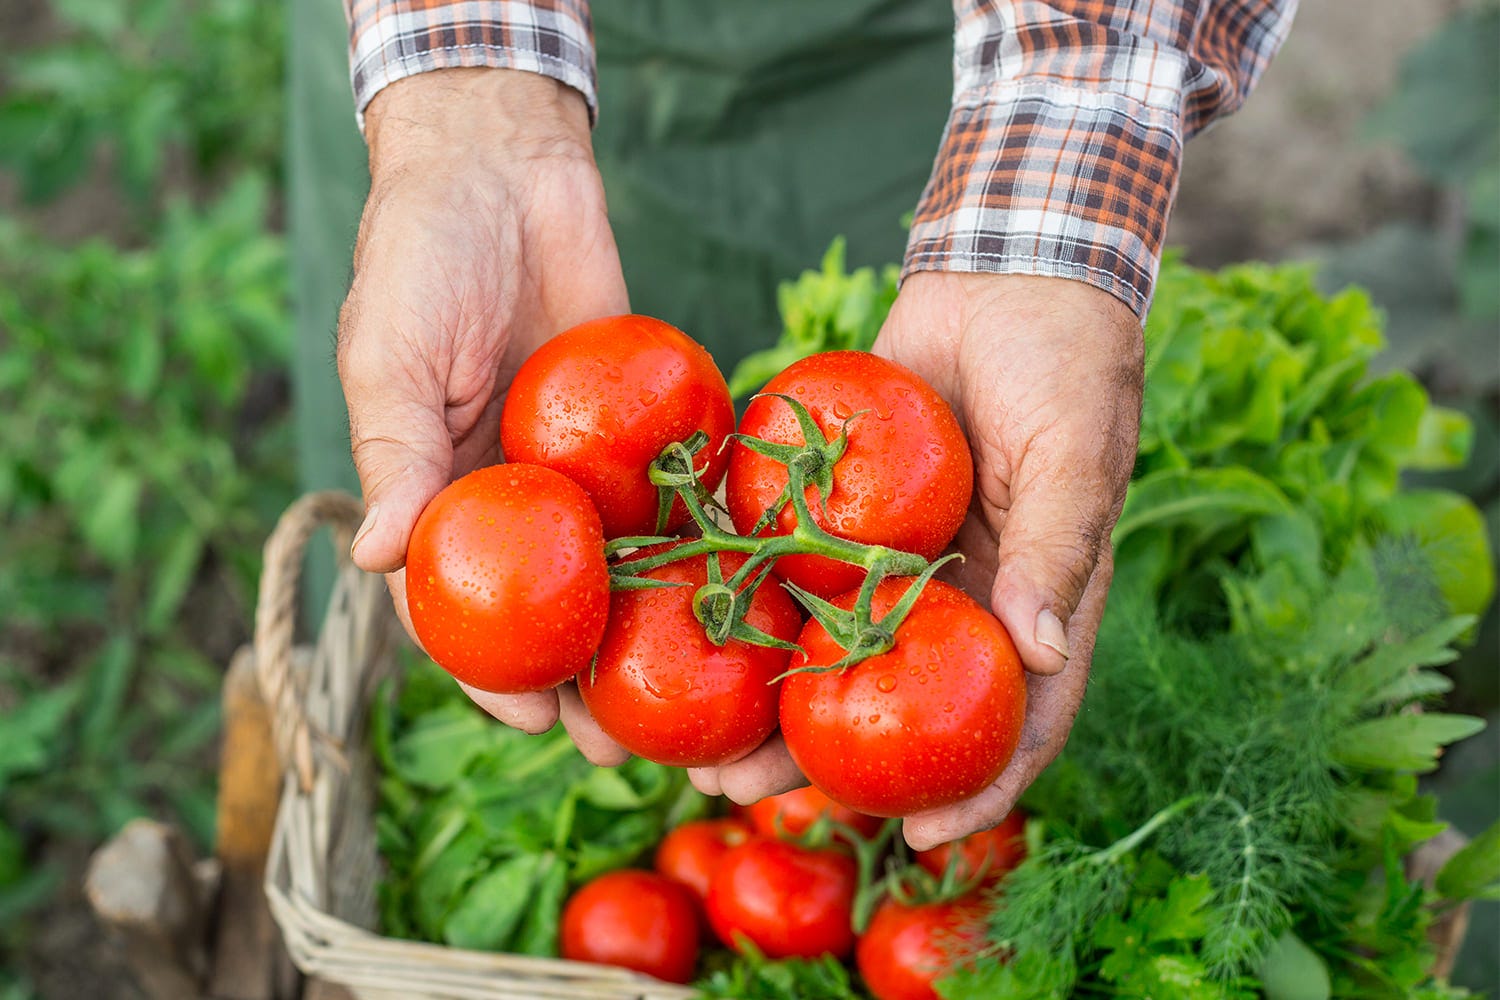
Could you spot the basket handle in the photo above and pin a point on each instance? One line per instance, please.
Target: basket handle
(276, 615)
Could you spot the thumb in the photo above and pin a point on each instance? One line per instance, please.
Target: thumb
(1051, 545)
(404, 455)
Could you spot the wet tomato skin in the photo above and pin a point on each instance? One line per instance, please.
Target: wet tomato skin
(636, 920)
(664, 692)
(908, 948)
(930, 722)
(506, 580)
(787, 900)
(904, 480)
(599, 402)
(691, 852)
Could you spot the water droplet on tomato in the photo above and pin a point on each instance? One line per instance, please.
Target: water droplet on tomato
(948, 707)
(613, 373)
(843, 410)
(647, 397)
(886, 683)
(874, 718)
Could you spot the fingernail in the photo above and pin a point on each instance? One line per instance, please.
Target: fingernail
(364, 529)
(1050, 632)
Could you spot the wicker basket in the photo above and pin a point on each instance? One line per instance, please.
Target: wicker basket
(323, 867)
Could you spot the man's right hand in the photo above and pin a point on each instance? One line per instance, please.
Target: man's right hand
(484, 234)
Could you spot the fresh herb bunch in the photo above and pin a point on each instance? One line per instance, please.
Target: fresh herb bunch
(485, 830)
(1222, 791)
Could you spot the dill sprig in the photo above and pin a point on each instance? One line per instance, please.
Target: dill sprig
(1225, 759)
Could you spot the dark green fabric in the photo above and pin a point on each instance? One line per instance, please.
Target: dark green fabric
(326, 184)
(735, 139)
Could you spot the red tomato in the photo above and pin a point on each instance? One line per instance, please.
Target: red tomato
(989, 854)
(506, 580)
(692, 852)
(600, 401)
(664, 692)
(908, 948)
(634, 919)
(799, 809)
(904, 480)
(788, 901)
(930, 722)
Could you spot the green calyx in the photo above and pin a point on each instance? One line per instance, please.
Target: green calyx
(721, 604)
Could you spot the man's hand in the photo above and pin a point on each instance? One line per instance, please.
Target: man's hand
(1046, 377)
(484, 234)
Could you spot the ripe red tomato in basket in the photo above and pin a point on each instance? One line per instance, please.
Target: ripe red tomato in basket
(506, 580)
(791, 813)
(908, 948)
(931, 721)
(690, 853)
(664, 692)
(636, 920)
(788, 901)
(904, 481)
(987, 855)
(599, 402)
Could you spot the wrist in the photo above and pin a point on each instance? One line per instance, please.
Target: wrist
(452, 114)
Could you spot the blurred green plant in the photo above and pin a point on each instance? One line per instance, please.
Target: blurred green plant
(138, 81)
(130, 480)
(144, 452)
(1455, 70)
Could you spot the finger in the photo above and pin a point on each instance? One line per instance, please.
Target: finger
(395, 583)
(1052, 541)
(402, 452)
(706, 780)
(534, 712)
(766, 770)
(1052, 703)
(597, 746)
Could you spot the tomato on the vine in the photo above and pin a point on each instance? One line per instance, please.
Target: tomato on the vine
(636, 920)
(786, 900)
(691, 852)
(904, 480)
(600, 401)
(907, 948)
(791, 813)
(663, 691)
(986, 856)
(931, 721)
(506, 579)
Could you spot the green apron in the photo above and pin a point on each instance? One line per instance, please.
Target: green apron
(735, 140)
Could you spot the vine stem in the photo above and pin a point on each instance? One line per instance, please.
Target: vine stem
(809, 466)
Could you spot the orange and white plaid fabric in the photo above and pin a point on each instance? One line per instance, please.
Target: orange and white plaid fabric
(392, 39)
(1062, 149)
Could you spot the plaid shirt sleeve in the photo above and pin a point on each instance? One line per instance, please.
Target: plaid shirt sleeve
(1061, 152)
(392, 39)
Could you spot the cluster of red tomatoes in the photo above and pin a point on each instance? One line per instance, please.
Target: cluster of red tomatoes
(594, 553)
(754, 880)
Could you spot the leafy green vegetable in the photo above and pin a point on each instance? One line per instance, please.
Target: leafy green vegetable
(1260, 402)
(754, 977)
(485, 829)
(825, 310)
(1474, 871)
